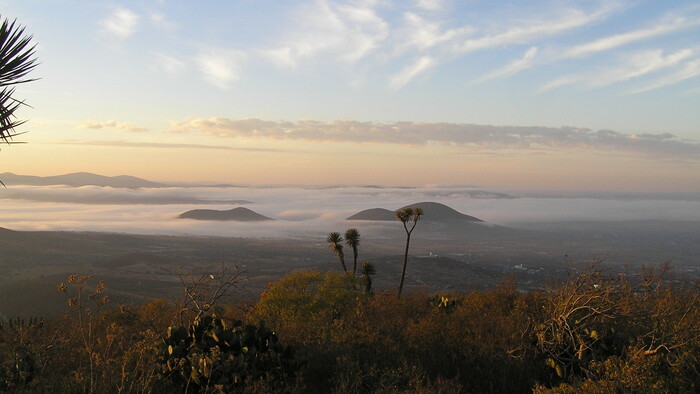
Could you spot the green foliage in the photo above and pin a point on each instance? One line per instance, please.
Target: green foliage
(352, 239)
(211, 354)
(366, 271)
(16, 61)
(409, 217)
(594, 333)
(599, 327)
(304, 304)
(335, 244)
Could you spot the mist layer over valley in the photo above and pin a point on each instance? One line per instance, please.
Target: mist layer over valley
(305, 210)
(134, 239)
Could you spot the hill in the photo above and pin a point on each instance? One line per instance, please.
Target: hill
(432, 212)
(374, 214)
(236, 214)
(78, 179)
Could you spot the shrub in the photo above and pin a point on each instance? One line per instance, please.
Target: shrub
(210, 354)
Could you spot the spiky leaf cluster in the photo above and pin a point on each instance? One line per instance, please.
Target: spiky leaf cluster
(209, 353)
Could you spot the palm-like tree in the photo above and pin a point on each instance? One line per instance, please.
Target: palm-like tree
(352, 239)
(409, 218)
(16, 61)
(335, 241)
(366, 271)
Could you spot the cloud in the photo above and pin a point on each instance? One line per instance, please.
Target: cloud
(96, 195)
(422, 34)
(299, 215)
(160, 145)
(411, 71)
(121, 24)
(469, 136)
(301, 211)
(689, 70)
(327, 30)
(430, 5)
(167, 64)
(220, 66)
(521, 64)
(670, 24)
(113, 125)
(557, 24)
(633, 66)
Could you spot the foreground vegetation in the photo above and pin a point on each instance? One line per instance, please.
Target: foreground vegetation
(324, 332)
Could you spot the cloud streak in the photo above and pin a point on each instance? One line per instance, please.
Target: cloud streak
(112, 125)
(327, 30)
(411, 71)
(161, 145)
(521, 64)
(634, 66)
(559, 24)
(689, 70)
(453, 134)
(668, 25)
(220, 67)
(121, 24)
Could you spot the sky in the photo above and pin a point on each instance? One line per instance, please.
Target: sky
(547, 95)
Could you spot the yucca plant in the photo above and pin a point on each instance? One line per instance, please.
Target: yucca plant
(409, 218)
(335, 241)
(352, 239)
(366, 271)
(16, 61)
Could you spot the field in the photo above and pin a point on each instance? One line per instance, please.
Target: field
(136, 268)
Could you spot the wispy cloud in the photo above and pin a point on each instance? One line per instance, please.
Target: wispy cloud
(328, 30)
(633, 66)
(411, 71)
(161, 145)
(430, 5)
(112, 125)
(689, 70)
(521, 64)
(668, 25)
(453, 134)
(557, 24)
(220, 66)
(421, 33)
(167, 64)
(122, 23)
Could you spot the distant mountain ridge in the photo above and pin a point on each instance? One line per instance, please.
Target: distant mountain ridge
(78, 179)
(239, 214)
(432, 212)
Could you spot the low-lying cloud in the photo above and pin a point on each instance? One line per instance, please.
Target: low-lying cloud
(303, 212)
(453, 134)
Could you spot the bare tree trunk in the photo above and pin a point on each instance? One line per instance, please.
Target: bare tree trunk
(341, 257)
(405, 260)
(354, 266)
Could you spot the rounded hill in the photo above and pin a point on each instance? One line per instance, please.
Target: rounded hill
(239, 214)
(432, 212)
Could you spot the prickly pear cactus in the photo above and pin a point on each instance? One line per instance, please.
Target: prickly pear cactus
(17, 364)
(209, 353)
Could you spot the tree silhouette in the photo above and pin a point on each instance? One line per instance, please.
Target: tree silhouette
(352, 239)
(336, 245)
(409, 218)
(366, 271)
(16, 61)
